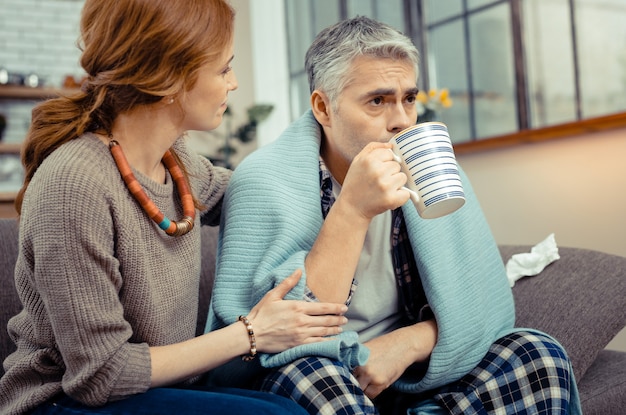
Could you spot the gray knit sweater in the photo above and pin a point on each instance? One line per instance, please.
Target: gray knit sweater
(99, 281)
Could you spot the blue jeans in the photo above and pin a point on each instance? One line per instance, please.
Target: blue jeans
(167, 401)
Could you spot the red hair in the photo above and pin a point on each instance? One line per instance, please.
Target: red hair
(135, 52)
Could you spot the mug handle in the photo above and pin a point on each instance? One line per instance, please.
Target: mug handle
(414, 196)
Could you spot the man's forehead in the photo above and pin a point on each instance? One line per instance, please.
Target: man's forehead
(370, 70)
(368, 87)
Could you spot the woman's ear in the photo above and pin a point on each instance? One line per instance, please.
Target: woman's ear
(320, 105)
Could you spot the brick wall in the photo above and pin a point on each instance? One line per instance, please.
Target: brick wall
(37, 36)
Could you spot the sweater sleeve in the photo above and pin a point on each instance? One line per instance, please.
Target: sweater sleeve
(69, 229)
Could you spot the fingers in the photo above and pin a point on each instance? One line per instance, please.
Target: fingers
(322, 327)
(285, 330)
(361, 377)
(367, 383)
(376, 145)
(309, 329)
(372, 391)
(318, 325)
(395, 157)
(319, 334)
(314, 334)
(376, 151)
(287, 284)
(323, 309)
(374, 179)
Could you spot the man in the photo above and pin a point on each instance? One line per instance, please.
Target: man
(428, 299)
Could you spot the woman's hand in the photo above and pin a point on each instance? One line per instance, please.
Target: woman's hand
(279, 324)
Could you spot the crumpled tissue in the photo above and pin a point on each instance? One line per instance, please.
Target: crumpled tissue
(532, 263)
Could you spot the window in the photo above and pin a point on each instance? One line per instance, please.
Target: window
(305, 19)
(510, 65)
(600, 35)
(551, 68)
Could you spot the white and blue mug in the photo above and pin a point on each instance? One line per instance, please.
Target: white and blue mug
(427, 158)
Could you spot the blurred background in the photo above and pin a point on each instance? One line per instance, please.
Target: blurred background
(490, 69)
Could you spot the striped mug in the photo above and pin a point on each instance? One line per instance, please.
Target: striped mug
(427, 158)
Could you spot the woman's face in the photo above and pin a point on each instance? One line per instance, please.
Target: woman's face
(205, 103)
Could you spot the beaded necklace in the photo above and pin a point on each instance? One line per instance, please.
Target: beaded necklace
(172, 228)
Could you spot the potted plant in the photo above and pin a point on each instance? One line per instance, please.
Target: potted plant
(245, 133)
(430, 104)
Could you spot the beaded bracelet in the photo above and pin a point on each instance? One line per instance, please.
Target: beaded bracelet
(252, 355)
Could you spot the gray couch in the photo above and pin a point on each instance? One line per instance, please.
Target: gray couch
(580, 300)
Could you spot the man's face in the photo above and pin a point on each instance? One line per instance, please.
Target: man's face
(377, 103)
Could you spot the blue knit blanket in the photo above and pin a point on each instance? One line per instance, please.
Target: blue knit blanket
(272, 217)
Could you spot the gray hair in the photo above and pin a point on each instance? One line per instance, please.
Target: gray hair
(329, 57)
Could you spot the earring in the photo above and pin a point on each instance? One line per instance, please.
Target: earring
(171, 100)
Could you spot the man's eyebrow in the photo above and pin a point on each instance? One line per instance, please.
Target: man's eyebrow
(390, 91)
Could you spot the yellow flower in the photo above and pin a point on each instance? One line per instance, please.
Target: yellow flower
(444, 94)
(433, 100)
(422, 97)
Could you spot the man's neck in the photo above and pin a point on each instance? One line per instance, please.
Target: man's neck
(335, 163)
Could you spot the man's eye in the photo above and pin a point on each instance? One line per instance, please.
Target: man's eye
(411, 99)
(377, 101)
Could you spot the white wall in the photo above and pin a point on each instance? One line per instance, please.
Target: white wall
(573, 187)
(37, 36)
(261, 68)
(240, 99)
(269, 53)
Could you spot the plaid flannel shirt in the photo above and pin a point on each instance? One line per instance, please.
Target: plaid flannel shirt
(412, 297)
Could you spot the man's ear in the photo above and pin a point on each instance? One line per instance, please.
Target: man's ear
(320, 105)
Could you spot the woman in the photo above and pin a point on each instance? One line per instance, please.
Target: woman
(109, 284)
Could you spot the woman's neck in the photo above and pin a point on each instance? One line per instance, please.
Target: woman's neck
(144, 136)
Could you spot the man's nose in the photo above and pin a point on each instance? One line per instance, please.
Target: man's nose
(400, 118)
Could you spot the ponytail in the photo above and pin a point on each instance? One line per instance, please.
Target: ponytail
(54, 123)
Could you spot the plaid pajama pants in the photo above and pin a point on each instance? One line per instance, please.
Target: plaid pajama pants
(523, 373)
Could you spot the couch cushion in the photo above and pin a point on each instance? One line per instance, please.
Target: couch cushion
(578, 299)
(209, 248)
(10, 303)
(603, 389)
